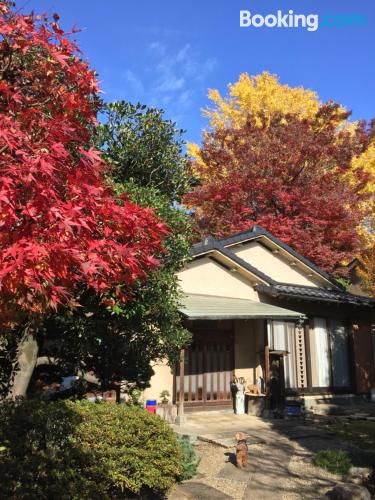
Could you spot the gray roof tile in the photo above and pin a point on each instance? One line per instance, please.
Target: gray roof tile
(312, 293)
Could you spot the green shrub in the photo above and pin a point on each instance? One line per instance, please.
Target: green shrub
(335, 461)
(189, 461)
(82, 450)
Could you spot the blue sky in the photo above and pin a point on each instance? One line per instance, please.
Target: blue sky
(167, 53)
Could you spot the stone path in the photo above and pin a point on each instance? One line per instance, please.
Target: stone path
(194, 489)
(280, 460)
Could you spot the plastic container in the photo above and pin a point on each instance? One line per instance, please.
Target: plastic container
(151, 405)
(151, 402)
(293, 409)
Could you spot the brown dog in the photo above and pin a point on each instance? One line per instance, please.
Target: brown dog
(242, 451)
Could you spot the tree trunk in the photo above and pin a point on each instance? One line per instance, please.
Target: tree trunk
(24, 365)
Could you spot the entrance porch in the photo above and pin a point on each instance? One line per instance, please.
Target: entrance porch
(229, 339)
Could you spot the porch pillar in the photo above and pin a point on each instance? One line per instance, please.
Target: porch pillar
(181, 418)
(266, 364)
(266, 355)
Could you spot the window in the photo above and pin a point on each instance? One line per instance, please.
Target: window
(329, 347)
(329, 352)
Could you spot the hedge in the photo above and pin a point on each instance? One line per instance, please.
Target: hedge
(82, 450)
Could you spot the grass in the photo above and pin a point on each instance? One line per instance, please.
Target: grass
(359, 432)
(190, 461)
(335, 461)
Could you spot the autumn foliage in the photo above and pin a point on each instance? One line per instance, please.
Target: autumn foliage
(261, 94)
(367, 270)
(60, 224)
(286, 173)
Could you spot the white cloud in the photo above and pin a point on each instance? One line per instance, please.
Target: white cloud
(170, 84)
(134, 81)
(170, 77)
(183, 54)
(157, 47)
(185, 98)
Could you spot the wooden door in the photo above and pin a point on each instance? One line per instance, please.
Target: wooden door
(208, 370)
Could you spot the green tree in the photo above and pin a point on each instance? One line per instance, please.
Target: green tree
(144, 148)
(118, 340)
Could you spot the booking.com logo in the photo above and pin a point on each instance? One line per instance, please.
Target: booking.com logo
(311, 22)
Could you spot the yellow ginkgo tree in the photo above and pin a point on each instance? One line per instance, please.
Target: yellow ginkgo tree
(260, 94)
(366, 268)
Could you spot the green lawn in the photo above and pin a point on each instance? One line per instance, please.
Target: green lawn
(360, 432)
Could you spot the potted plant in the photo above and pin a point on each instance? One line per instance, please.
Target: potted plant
(164, 396)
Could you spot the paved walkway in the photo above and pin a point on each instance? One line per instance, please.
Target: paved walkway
(280, 459)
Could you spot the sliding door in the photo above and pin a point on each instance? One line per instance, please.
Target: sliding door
(208, 369)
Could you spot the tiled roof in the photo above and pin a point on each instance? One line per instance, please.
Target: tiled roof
(333, 294)
(312, 293)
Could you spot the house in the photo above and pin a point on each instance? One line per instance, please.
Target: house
(252, 304)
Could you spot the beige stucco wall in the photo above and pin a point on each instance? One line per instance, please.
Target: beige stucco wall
(162, 379)
(248, 341)
(274, 265)
(207, 277)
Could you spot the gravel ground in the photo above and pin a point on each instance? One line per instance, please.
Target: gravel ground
(306, 480)
(213, 458)
(303, 481)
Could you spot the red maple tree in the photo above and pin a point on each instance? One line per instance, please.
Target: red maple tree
(286, 176)
(60, 224)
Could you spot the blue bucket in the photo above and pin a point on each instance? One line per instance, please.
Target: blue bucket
(151, 402)
(293, 410)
